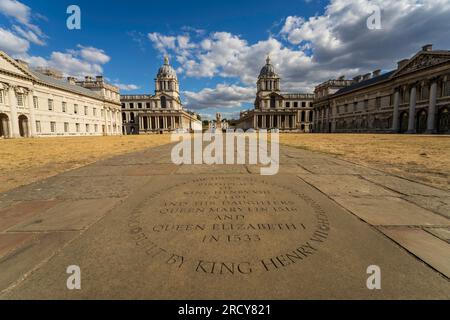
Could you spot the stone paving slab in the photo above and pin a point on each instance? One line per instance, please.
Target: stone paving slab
(68, 216)
(430, 249)
(346, 185)
(390, 211)
(19, 211)
(9, 242)
(439, 205)
(122, 170)
(407, 187)
(441, 233)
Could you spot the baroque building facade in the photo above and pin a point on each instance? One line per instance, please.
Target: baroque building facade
(413, 98)
(40, 103)
(159, 113)
(287, 112)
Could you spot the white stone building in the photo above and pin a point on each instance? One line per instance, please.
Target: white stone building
(161, 112)
(290, 112)
(41, 103)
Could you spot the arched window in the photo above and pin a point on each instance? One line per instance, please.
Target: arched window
(163, 102)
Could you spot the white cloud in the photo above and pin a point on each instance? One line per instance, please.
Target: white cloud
(126, 87)
(29, 35)
(93, 55)
(222, 96)
(11, 43)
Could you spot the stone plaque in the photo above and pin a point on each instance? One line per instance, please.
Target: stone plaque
(229, 226)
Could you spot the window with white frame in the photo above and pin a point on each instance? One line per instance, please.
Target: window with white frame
(53, 127)
(66, 127)
(1, 96)
(20, 99)
(75, 109)
(50, 104)
(77, 126)
(38, 126)
(85, 110)
(94, 111)
(36, 102)
(64, 107)
(96, 127)
(87, 128)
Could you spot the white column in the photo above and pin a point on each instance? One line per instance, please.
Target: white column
(412, 110)
(395, 116)
(14, 119)
(32, 122)
(431, 128)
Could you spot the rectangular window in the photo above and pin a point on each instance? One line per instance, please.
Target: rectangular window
(103, 113)
(96, 128)
(87, 128)
(378, 102)
(140, 105)
(94, 112)
(131, 105)
(295, 104)
(36, 102)
(1, 96)
(123, 105)
(149, 105)
(288, 104)
(53, 127)
(64, 107)
(75, 109)
(20, 99)
(85, 110)
(77, 126)
(38, 126)
(303, 104)
(50, 105)
(66, 127)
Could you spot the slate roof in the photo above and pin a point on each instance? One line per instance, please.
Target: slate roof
(366, 83)
(63, 84)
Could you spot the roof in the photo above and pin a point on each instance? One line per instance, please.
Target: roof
(63, 84)
(366, 83)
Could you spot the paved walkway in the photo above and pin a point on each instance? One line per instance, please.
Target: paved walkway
(140, 227)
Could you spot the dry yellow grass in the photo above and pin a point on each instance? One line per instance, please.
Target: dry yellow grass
(422, 158)
(23, 161)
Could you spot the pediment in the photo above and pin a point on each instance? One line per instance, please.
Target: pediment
(8, 64)
(421, 61)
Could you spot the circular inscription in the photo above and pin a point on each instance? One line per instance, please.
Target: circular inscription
(229, 226)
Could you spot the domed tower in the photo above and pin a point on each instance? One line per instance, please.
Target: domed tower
(166, 81)
(268, 80)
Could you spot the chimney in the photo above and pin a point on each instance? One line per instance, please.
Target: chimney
(402, 63)
(357, 78)
(376, 73)
(88, 78)
(71, 80)
(367, 76)
(99, 78)
(22, 63)
(427, 48)
(341, 78)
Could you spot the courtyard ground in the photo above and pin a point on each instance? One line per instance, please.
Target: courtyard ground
(23, 161)
(425, 159)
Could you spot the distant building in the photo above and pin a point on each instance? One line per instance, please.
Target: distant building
(161, 112)
(275, 109)
(40, 103)
(414, 98)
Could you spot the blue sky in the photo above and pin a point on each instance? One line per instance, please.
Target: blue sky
(218, 47)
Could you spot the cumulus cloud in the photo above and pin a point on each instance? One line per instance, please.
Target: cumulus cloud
(22, 14)
(222, 96)
(11, 43)
(93, 55)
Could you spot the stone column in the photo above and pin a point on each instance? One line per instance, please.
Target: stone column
(32, 122)
(396, 114)
(412, 110)
(15, 133)
(431, 127)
